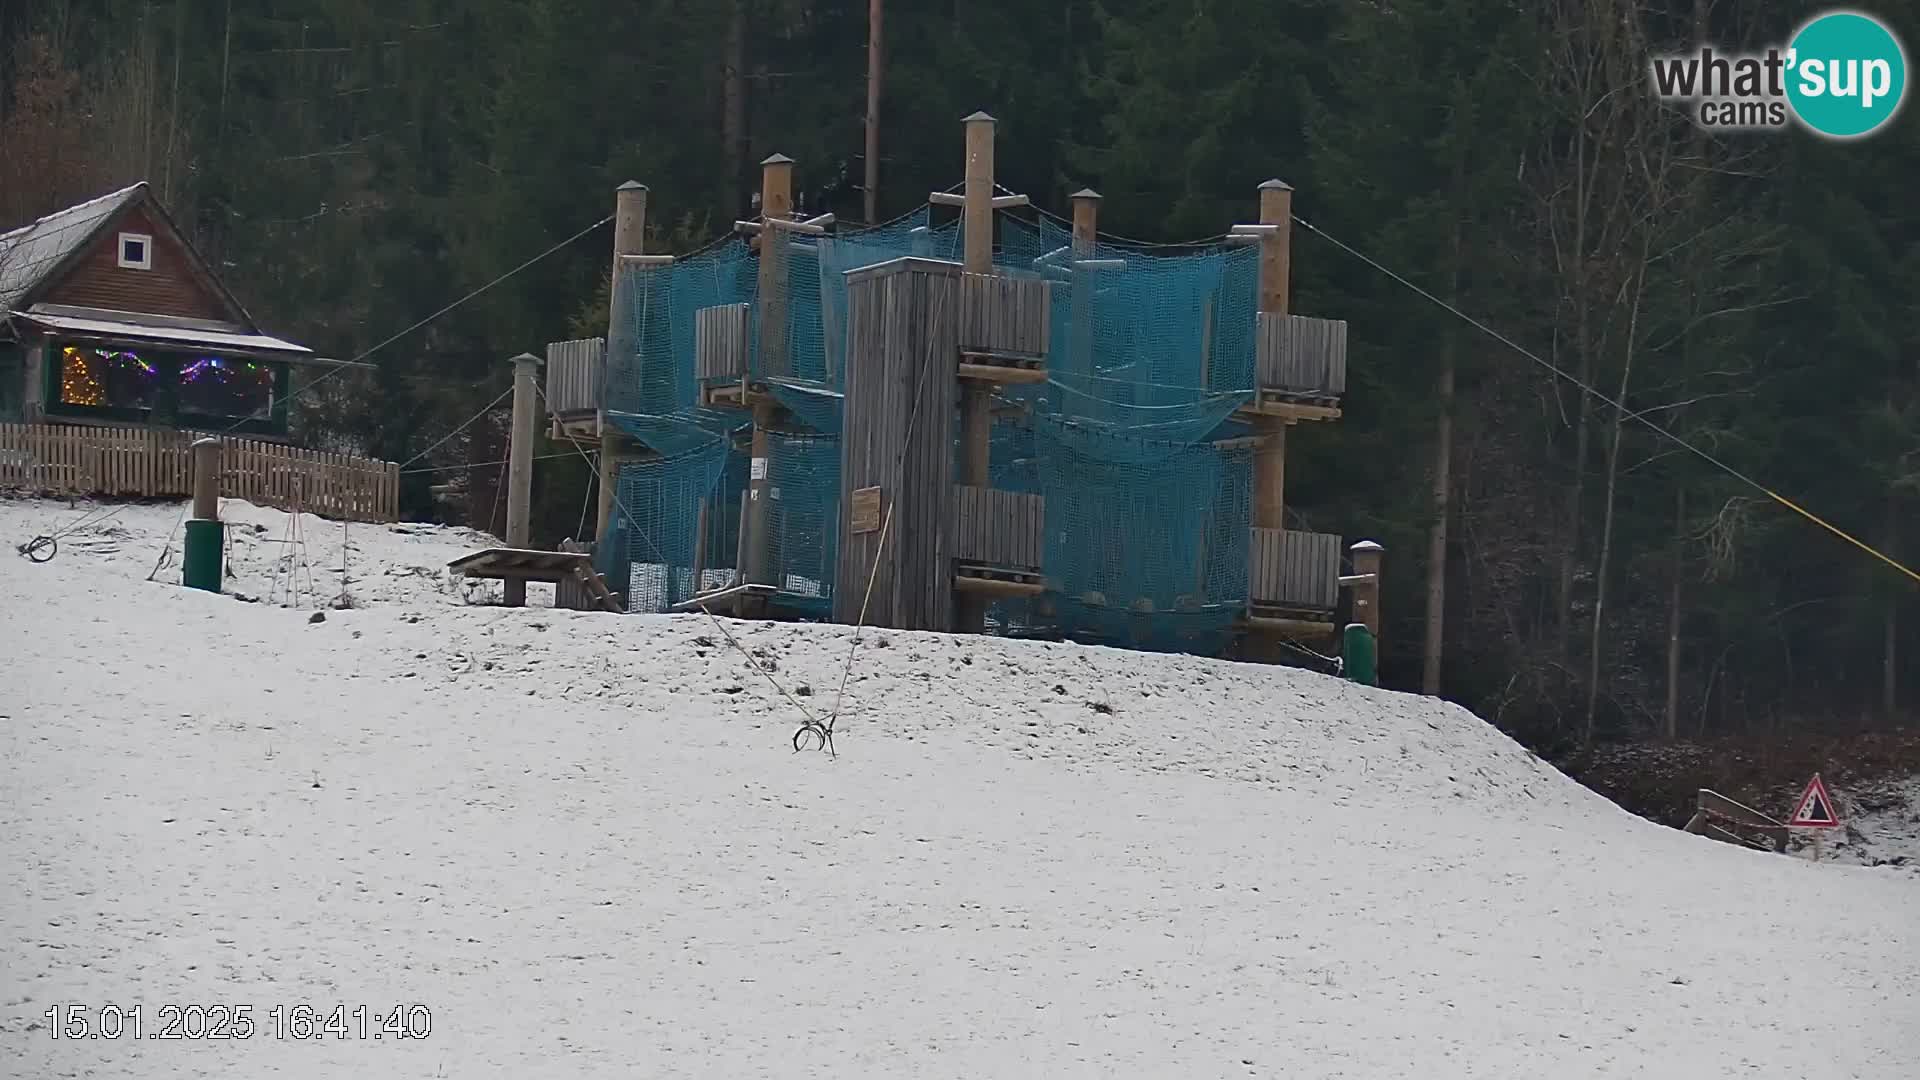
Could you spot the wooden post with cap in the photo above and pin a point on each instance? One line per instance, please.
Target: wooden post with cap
(1086, 217)
(526, 371)
(623, 344)
(1270, 458)
(976, 397)
(776, 202)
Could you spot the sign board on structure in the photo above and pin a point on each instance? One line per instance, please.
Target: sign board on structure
(1815, 808)
(865, 506)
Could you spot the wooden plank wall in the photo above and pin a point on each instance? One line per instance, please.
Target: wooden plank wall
(1302, 355)
(902, 339)
(720, 341)
(1001, 314)
(576, 373)
(156, 462)
(998, 528)
(1290, 568)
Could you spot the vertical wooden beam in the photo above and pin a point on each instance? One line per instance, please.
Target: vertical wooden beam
(876, 57)
(776, 201)
(526, 372)
(1366, 594)
(1086, 217)
(976, 397)
(977, 215)
(1270, 459)
(623, 344)
(757, 510)
(1276, 249)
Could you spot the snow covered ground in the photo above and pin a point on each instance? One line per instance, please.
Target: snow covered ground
(585, 843)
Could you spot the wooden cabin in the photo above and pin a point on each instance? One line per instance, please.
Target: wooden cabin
(108, 317)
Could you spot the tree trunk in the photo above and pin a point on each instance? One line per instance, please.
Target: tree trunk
(733, 96)
(1595, 640)
(1442, 487)
(1890, 628)
(1674, 612)
(875, 58)
(1583, 345)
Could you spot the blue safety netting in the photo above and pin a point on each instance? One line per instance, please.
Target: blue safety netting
(803, 493)
(1145, 540)
(660, 504)
(1146, 518)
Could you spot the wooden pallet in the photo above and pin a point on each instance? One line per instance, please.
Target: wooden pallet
(531, 564)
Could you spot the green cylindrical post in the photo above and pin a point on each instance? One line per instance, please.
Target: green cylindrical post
(200, 565)
(200, 568)
(1357, 655)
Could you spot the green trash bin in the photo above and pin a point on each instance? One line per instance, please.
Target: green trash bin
(200, 567)
(1357, 658)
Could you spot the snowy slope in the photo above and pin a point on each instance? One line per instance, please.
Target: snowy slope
(584, 842)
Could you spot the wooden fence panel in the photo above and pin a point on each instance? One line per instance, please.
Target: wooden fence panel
(158, 463)
(1302, 355)
(998, 528)
(1003, 314)
(576, 374)
(721, 341)
(1290, 568)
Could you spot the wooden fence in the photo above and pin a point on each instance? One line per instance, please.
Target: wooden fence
(722, 338)
(998, 528)
(1293, 569)
(1301, 355)
(1004, 314)
(575, 374)
(157, 462)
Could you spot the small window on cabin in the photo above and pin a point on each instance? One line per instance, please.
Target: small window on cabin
(136, 251)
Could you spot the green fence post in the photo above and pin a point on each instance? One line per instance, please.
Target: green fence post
(200, 565)
(1357, 658)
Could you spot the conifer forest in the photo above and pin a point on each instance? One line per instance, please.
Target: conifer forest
(1557, 561)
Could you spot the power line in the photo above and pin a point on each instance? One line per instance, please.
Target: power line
(1638, 415)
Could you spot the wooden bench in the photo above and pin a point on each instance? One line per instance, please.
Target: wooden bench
(553, 567)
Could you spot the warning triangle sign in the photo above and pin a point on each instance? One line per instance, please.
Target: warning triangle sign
(1815, 808)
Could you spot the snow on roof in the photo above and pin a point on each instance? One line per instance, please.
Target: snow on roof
(131, 327)
(32, 251)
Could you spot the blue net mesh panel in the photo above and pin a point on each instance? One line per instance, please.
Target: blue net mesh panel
(815, 406)
(1145, 540)
(803, 491)
(660, 500)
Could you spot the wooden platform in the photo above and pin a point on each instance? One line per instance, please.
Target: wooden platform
(1004, 367)
(528, 564)
(997, 580)
(1291, 407)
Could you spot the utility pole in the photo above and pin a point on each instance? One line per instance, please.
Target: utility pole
(875, 54)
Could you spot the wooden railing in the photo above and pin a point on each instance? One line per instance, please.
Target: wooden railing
(721, 340)
(157, 462)
(997, 528)
(1292, 569)
(1300, 355)
(1004, 314)
(575, 374)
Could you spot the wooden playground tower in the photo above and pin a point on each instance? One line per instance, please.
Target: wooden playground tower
(925, 541)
